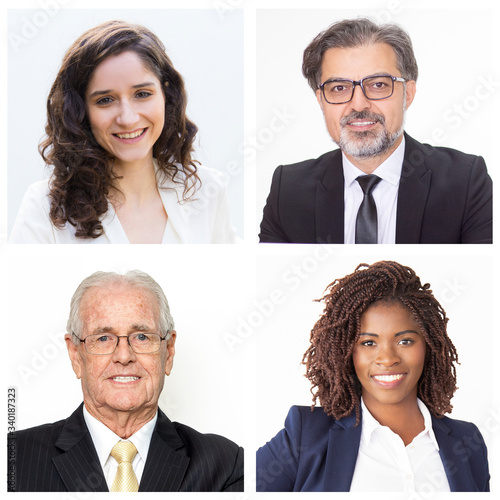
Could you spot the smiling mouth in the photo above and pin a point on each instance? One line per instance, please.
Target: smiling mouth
(124, 379)
(389, 378)
(361, 124)
(131, 135)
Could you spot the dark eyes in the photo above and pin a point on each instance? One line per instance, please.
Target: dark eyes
(403, 342)
(143, 94)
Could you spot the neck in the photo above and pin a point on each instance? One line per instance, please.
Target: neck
(137, 182)
(403, 418)
(122, 423)
(370, 164)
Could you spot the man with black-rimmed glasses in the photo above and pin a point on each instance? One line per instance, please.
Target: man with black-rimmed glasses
(381, 186)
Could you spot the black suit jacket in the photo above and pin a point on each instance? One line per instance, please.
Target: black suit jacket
(62, 457)
(444, 196)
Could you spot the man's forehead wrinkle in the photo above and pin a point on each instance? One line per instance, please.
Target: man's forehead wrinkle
(103, 308)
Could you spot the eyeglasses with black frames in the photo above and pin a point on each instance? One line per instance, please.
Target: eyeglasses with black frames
(106, 343)
(375, 88)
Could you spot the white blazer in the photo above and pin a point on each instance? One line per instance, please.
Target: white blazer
(203, 219)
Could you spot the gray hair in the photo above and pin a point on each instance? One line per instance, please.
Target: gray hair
(136, 279)
(354, 33)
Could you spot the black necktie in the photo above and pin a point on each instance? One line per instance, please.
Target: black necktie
(366, 221)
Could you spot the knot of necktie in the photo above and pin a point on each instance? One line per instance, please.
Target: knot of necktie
(125, 480)
(368, 182)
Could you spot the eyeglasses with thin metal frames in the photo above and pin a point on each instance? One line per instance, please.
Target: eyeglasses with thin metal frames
(118, 337)
(360, 83)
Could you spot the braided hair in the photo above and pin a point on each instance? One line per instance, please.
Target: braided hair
(328, 360)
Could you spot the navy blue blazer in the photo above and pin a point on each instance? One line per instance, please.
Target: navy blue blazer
(315, 452)
(62, 457)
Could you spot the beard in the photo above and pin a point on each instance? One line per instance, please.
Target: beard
(368, 143)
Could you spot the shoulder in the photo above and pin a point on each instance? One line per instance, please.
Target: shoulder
(39, 437)
(198, 442)
(205, 174)
(216, 463)
(314, 423)
(459, 428)
(314, 165)
(439, 158)
(38, 192)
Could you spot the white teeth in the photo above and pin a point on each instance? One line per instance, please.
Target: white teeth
(131, 136)
(125, 379)
(388, 378)
(362, 124)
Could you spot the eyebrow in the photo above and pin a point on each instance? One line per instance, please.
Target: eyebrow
(333, 78)
(404, 332)
(109, 91)
(136, 327)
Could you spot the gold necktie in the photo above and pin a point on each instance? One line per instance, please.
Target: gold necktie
(125, 480)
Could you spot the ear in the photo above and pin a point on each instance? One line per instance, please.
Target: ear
(319, 97)
(170, 352)
(74, 355)
(411, 90)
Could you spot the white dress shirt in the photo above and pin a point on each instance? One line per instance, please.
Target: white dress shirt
(104, 439)
(202, 219)
(384, 463)
(385, 195)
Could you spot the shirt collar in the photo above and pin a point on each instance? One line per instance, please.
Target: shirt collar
(389, 170)
(369, 425)
(104, 438)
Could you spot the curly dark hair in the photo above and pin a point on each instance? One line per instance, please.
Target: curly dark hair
(82, 173)
(328, 360)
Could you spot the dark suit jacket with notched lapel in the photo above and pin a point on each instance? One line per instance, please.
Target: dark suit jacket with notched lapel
(444, 196)
(62, 457)
(315, 452)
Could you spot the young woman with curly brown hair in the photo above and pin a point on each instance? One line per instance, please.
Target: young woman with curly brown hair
(383, 369)
(120, 146)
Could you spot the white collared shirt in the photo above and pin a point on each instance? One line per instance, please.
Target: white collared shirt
(385, 195)
(384, 463)
(104, 439)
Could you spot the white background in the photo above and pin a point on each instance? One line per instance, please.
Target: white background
(237, 381)
(208, 54)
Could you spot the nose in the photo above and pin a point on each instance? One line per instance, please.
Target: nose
(387, 356)
(359, 100)
(127, 115)
(123, 352)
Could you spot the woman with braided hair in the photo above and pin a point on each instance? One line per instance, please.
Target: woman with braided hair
(383, 369)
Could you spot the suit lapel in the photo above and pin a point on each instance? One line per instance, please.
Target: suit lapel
(342, 453)
(167, 463)
(453, 456)
(329, 209)
(79, 465)
(413, 191)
